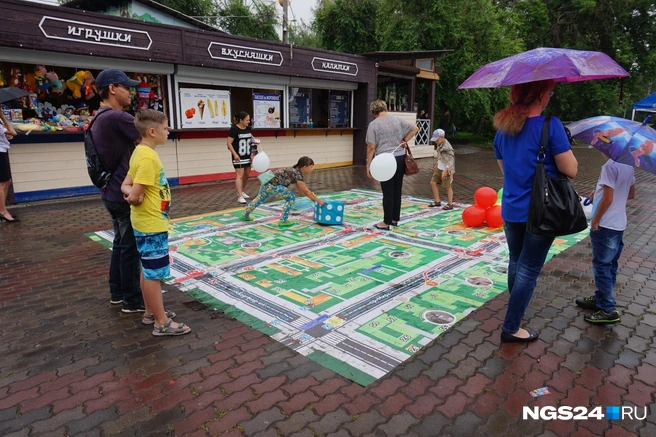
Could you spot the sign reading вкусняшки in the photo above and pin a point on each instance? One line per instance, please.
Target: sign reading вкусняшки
(333, 66)
(251, 55)
(89, 33)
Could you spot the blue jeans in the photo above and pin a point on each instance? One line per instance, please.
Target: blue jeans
(527, 254)
(124, 266)
(607, 247)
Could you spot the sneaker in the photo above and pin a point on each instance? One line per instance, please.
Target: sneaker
(131, 309)
(588, 303)
(245, 196)
(602, 317)
(115, 300)
(241, 200)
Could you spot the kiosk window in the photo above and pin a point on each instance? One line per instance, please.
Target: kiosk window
(319, 108)
(211, 106)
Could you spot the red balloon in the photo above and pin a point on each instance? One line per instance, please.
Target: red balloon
(485, 197)
(473, 216)
(493, 216)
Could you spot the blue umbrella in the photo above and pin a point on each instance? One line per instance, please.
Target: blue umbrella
(626, 141)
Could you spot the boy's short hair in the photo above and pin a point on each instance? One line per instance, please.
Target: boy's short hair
(147, 118)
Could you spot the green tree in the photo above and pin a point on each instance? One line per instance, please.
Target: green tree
(348, 26)
(625, 30)
(202, 10)
(258, 21)
(302, 34)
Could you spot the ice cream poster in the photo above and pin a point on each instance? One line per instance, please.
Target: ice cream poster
(266, 110)
(205, 108)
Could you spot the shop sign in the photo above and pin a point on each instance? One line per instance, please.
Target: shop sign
(89, 33)
(229, 52)
(332, 66)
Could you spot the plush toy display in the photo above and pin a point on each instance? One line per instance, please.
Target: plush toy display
(49, 108)
(75, 84)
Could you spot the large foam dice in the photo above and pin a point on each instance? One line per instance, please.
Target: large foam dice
(332, 213)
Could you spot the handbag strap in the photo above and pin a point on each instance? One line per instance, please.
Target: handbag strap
(544, 138)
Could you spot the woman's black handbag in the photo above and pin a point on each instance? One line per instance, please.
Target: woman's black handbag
(555, 207)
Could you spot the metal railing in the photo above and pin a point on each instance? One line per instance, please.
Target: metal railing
(424, 134)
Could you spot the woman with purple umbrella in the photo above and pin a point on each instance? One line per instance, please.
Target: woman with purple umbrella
(516, 146)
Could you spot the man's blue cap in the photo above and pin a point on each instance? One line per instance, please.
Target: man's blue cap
(115, 77)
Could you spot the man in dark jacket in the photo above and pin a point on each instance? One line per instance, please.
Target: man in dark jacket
(114, 136)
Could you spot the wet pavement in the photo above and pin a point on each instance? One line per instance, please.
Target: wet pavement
(73, 365)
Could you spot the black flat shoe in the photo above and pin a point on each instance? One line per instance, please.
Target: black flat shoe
(5, 219)
(395, 223)
(509, 338)
(382, 228)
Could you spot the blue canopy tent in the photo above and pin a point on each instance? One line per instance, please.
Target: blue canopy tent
(648, 104)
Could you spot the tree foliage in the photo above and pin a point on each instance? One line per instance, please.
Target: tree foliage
(482, 31)
(260, 20)
(348, 26)
(202, 10)
(302, 34)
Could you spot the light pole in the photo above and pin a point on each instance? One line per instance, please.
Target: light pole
(285, 23)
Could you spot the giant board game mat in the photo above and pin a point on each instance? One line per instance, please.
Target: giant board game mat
(355, 299)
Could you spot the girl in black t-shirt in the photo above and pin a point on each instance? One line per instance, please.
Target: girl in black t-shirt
(239, 139)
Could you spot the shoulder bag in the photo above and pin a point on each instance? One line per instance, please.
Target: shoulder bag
(411, 166)
(555, 207)
(98, 174)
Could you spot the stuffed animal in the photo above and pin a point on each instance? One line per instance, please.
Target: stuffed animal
(29, 82)
(41, 80)
(16, 78)
(57, 86)
(75, 83)
(89, 89)
(143, 89)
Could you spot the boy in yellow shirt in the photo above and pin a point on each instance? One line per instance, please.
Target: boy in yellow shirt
(147, 191)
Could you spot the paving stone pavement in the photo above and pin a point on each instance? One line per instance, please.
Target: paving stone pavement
(72, 365)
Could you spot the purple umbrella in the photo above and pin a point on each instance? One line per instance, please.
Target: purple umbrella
(561, 65)
(626, 141)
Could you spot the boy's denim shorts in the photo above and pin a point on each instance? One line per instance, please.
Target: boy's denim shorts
(153, 248)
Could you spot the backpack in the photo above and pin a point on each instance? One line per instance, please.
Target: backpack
(99, 176)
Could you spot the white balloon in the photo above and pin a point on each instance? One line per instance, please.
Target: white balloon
(383, 167)
(261, 162)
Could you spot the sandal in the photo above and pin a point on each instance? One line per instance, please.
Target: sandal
(167, 330)
(149, 319)
(434, 204)
(382, 228)
(447, 207)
